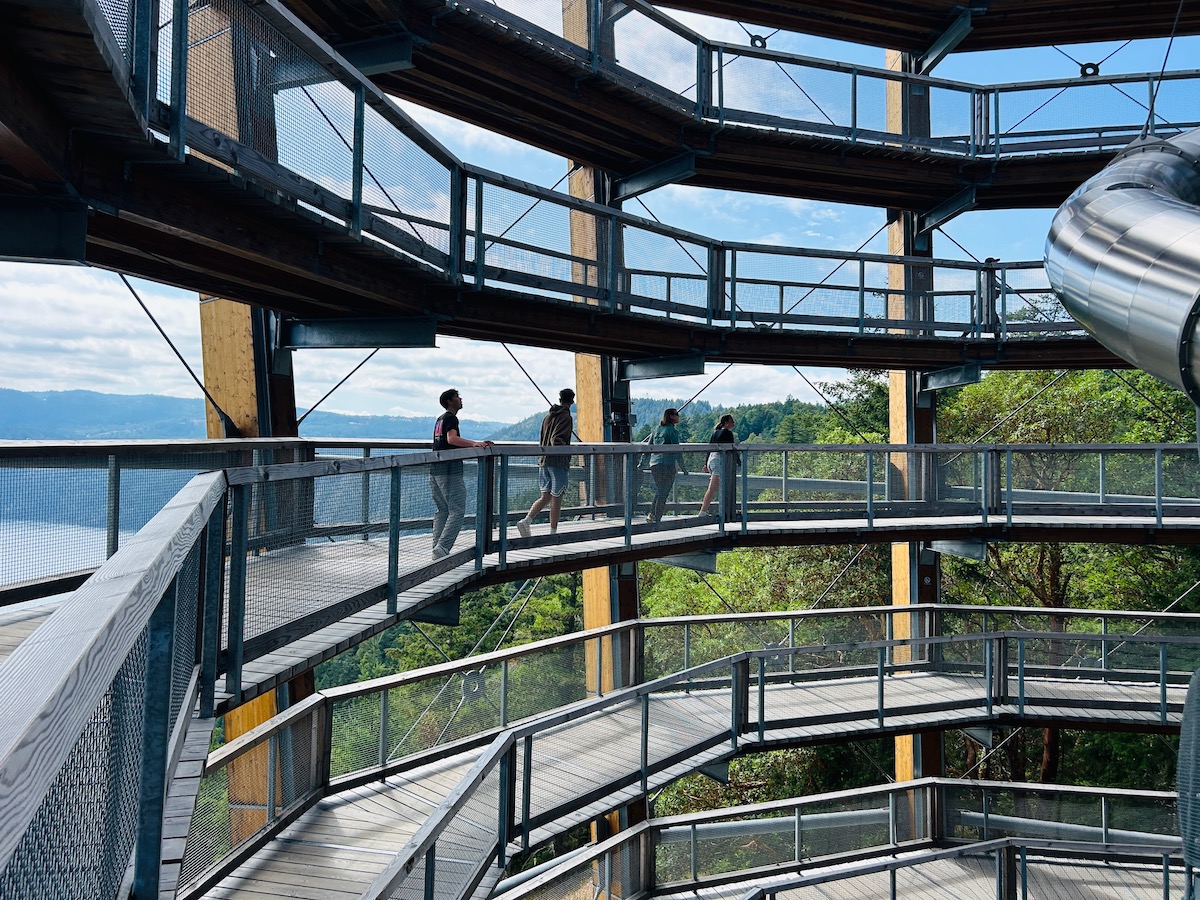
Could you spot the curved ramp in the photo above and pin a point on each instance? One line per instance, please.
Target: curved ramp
(1123, 254)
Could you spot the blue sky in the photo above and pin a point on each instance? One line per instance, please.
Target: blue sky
(79, 328)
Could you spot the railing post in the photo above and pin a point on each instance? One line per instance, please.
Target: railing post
(526, 785)
(113, 514)
(1103, 488)
(988, 672)
(272, 776)
(143, 41)
(870, 488)
(502, 516)
(357, 162)
(179, 64)
(862, 288)
(1158, 485)
(716, 281)
(739, 684)
(483, 508)
(238, 549)
(364, 511)
(1104, 647)
(431, 872)
(762, 698)
(212, 593)
(1008, 484)
(155, 752)
(507, 804)
(732, 286)
(1162, 682)
(703, 79)
(612, 277)
(393, 572)
(1020, 676)
(458, 224)
(799, 831)
(645, 747)
(480, 241)
(1000, 669)
(744, 506)
(384, 717)
(880, 667)
(503, 693)
(631, 487)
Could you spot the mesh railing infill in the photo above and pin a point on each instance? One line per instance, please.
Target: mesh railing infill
(82, 835)
(234, 802)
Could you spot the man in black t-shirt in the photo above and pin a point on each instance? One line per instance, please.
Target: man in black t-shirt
(446, 478)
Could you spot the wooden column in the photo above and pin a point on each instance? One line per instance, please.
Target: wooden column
(913, 581)
(253, 387)
(609, 592)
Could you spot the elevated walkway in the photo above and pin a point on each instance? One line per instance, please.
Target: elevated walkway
(662, 291)
(571, 764)
(200, 595)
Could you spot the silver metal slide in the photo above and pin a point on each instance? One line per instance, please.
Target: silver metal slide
(1123, 254)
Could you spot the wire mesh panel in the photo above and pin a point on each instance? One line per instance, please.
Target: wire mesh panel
(988, 811)
(796, 289)
(405, 185)
(465, 846)
(117, 14)
(81, 838)
(766, 90)
(183, 644)
(1031, 117)
(845, 825)
(247, 793)
(66, 514)
(527, 239)
(665, 273)
(658, 54)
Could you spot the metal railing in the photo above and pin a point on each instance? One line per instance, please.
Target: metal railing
(97, 706)
(526, 704)
(657, 56)
(770, 840)
(342, 148)
(334, 512)
(313, 543)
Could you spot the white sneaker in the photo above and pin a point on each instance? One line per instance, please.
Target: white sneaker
(523, 527)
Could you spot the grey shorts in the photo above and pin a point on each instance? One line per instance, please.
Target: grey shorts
(552, 480)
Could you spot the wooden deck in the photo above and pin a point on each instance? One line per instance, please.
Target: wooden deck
(592, 762)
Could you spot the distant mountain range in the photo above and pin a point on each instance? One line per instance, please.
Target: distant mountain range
(88, 415)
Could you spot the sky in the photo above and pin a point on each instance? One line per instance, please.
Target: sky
(69, 328)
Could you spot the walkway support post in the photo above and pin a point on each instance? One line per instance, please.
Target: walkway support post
(912, 418)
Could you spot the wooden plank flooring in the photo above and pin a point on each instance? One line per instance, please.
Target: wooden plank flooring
(20, 622)
(594, 752)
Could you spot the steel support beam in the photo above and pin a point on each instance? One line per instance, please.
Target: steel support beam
(680, 168)
(944, 212)
(663, 366)
(43, 229)
(375, 56)
(945, 44)
(400, 331)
